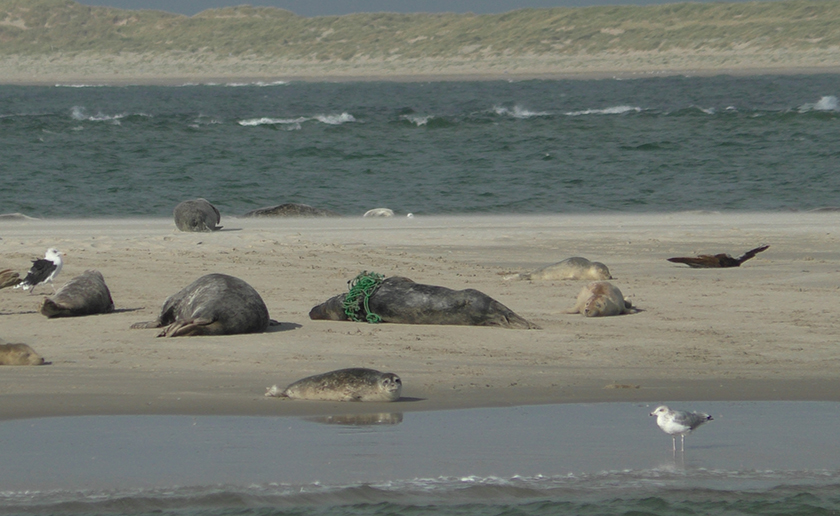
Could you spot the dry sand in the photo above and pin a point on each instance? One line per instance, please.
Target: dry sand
(765, 331)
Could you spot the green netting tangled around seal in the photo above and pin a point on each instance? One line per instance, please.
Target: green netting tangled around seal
(361, 288)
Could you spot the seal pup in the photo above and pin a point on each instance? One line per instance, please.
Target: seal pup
(86, 294)
(291, 210)
(44, 270)
(19, 354)
(354, 384)
(574, 268)
(400, 300)
(601, 298)
(9, 278)
(214, 304)
(709, 261)
(197, 215)
(379, 212)
(678, 422)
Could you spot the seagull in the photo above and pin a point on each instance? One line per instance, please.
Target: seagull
(678, 422)
(43, 270)
(708, 261)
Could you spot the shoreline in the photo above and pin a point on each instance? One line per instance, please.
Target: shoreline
(764, 331)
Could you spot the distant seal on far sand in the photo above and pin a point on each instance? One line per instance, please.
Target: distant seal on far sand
(197, 215)
(354, 384)
(574, 268)
(400, 300)
(379, 212)
(19, 354)
(214, 304)
(601, 298)
(86, 294)
(291, 210)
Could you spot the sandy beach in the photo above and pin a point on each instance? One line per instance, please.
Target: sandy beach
(764, 331)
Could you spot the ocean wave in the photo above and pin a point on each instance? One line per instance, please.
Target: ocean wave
(826, 103)
(614, 110)
(295, 122)
(79, 113)
(518, 112)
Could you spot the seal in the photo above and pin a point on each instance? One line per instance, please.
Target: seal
(214, 304)
(86, 294)
(379, 212)
(19, 354)
(400, 300)
(354, 384)
(9, 278)
(291, 210)
(717, 261)
(599, 299)
(197, 215)
(574, 268)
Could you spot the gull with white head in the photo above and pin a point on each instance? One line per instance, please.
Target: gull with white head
(678, 422)
(43, 270)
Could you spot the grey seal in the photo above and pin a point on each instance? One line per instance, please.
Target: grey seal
(197, 215)
(9, 278)
(19, 354)
(601, 298)
(574, 268)
(86, 294)
(678, 422)
(354, 384)
(214, 304)
(400, 300)
(291, 210)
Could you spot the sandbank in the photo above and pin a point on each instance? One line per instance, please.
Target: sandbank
(764, 331)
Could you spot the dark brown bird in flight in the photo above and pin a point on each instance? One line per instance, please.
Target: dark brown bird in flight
(708, 261)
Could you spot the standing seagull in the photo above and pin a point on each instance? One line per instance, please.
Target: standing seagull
(678, 422)
(43, 270)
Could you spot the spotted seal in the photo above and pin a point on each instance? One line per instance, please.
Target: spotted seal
(601, 298)
(214, 304)
(354, 384)
(400, 300)
(19, 354)
(291, 210)
(85, 294)
(574, 268)
(197, 215)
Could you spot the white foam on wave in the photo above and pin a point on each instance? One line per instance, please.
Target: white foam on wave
(518, 112)
(261, 84)
(826, 103)
(335, 119)
(80, 113)
(614, 110)
(418, 120)
(293, 122)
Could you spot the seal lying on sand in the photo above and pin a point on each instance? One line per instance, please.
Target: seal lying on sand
(574, 268)
(197, 215)
(83, 295)
(354, 384)
(215, 304)
(400, 300)
(291, 210)
(601, 298)
(19, 354)
(9, 278)
(708, 261)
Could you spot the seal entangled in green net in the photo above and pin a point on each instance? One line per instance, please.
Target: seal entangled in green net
(361, 288)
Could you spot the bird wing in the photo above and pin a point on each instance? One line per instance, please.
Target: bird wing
(752, 252)
(690, 419)
(41, 269)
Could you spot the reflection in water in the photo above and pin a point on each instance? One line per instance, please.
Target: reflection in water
(384, 418)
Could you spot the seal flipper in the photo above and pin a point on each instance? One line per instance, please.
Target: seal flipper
(196, 326)
(146, 325)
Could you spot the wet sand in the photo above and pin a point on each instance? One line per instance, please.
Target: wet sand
(764, 331)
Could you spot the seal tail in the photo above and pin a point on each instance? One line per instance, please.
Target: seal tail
(275, 392)
(9, 278)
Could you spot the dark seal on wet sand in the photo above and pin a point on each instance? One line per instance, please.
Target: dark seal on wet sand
(354, 384)
(291, 210)
(197, 215)
(400, 300)
(215, 304)
(86, 294)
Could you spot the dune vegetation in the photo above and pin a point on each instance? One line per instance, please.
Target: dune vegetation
(263, 41)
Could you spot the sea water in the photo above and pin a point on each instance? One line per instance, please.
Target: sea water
(540, 146)
(607, 458)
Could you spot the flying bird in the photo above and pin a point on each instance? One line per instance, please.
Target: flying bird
(708, 261)
(43, 270)
(678, 422)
